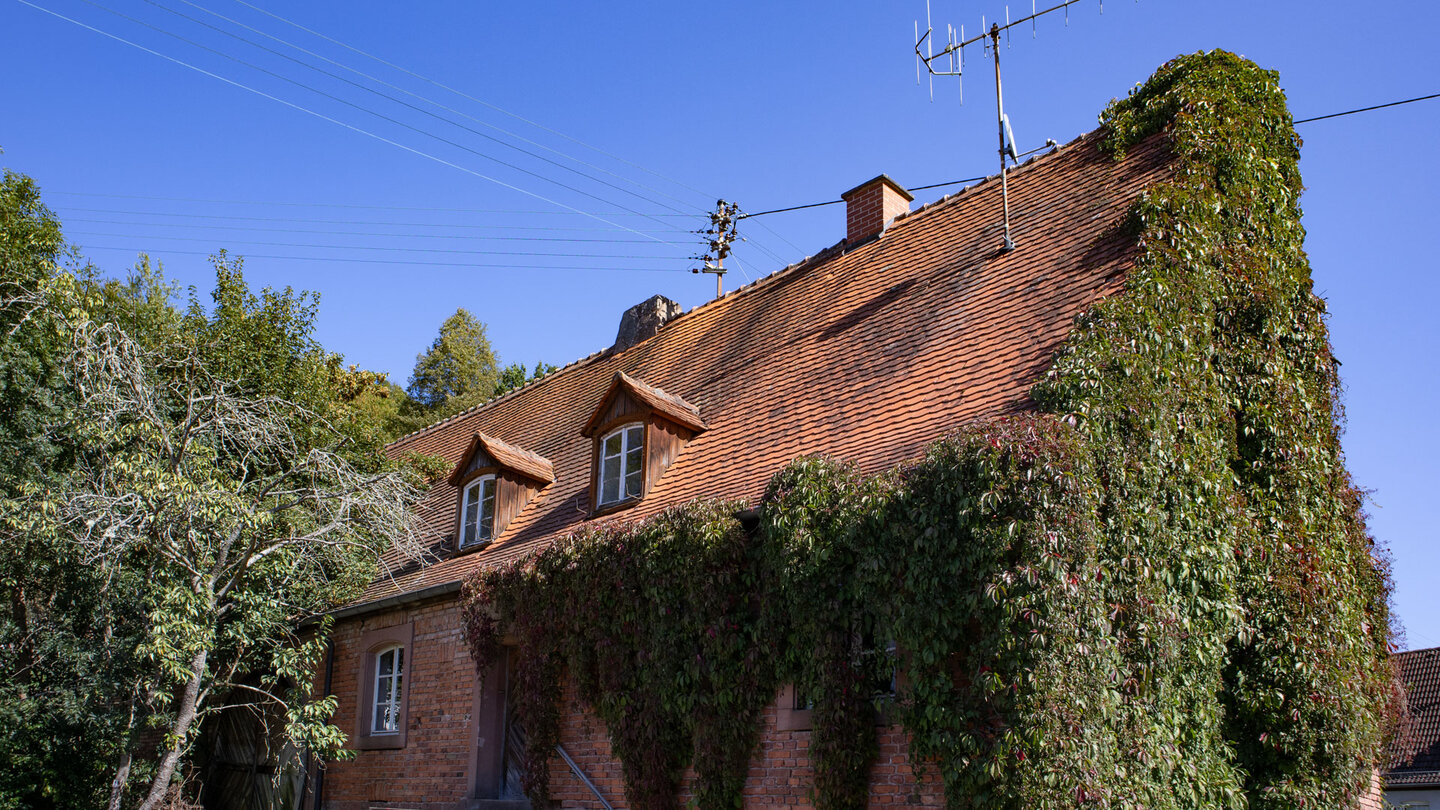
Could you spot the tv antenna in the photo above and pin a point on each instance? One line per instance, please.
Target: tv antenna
(954, 55)
(718, 237)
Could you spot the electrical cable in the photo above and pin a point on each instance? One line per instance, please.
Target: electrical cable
(264, 229)
(469, 97)
(435, 103)
(345, 205)
(327, 118)
(1368, 109)
(348, 261)
(351, 104)
(782, 238)
(775, 257)
(244, 218)
(390, 249)
(837, 202)
(403, 103)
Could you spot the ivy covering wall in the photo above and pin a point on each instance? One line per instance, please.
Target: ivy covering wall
(1155, 590)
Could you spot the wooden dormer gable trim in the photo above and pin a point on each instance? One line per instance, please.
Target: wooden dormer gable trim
(628, 395)
(669, 422)
(489, 453)
(519, 476)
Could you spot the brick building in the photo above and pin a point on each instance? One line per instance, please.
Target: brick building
(912, 324)
(1412, 772)
(915, 323)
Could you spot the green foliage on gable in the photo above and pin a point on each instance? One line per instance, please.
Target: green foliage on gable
(1157, 590)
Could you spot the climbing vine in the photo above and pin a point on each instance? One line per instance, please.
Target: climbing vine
(660, 625)
(1155, 590)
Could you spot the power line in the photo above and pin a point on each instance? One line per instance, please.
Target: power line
(837, 202)
(949, 183)
(590, 269)
(312, 221)
(469, 97)
(391, 98)
(351, 104)
(349, 205)
(977, 179)
(433, 102)
(331, 120)
(1368, 109)
(392, 249)
(268, 229)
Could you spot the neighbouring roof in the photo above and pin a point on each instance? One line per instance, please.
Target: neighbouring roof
(866, 353)
(1414, 756)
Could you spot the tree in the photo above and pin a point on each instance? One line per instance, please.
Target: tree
(514, 376)
(459, 368)
(177, 490)
(209, 460)
(65, 640)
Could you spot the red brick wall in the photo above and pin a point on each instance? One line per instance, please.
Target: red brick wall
(780, 772)
(434, 770)
(431, 771)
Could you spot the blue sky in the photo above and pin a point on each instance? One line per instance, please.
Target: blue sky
(378, 200)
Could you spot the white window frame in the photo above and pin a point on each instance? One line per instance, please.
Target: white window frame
(626, 448)
(478, 532)
(380, 709)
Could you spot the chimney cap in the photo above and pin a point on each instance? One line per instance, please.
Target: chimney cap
(879, 178)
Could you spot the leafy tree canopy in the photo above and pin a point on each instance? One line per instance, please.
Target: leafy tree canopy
(458, 366)
(178, 488)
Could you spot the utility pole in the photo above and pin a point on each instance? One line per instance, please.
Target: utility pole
(718, 238)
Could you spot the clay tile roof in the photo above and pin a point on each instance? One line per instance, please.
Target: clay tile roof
(507, 456)
(670, 406)
(867, 353)
(1414, 755)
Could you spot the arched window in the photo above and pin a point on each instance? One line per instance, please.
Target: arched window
(477, 524)
(622, 454)
(389, 686)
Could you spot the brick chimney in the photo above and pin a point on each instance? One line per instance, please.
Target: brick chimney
(643, 320)
(870, 206)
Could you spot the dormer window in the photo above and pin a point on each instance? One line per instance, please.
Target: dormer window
(638, 431)
(478, 524)
(496, 481)
(622, 453)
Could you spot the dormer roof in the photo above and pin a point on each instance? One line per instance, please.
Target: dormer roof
(504, 455)
(669, 406)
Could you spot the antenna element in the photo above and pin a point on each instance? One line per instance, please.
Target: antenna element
(955, 51)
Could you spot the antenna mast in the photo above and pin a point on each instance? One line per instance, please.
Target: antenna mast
(1007, 149)
(718, 237)
(954, 52)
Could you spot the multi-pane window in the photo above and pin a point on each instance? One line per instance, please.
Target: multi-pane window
(621, 453)
(478, 511)
(389, 680)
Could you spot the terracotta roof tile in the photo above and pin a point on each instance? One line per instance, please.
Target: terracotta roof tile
(867, 353)
(668, 405)
(508, 456)
(1414, 756)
